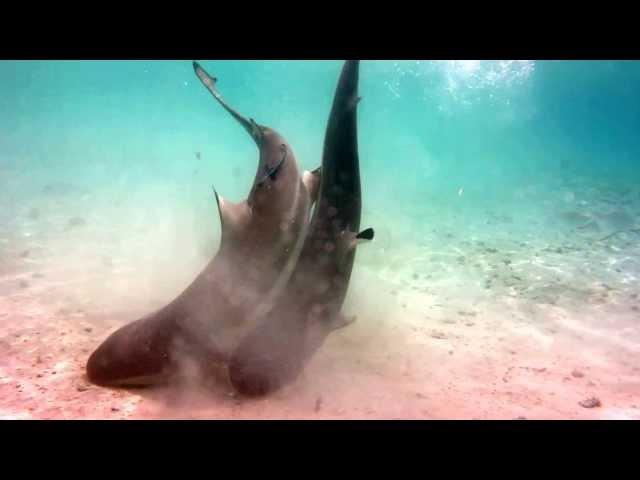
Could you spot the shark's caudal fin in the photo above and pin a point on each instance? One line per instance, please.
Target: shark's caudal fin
(346, 98)
(210, 83)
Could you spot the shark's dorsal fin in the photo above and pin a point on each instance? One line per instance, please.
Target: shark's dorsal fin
(311, 181)
(367, 234)
(233, 216)
(348, 241)
(351, 239)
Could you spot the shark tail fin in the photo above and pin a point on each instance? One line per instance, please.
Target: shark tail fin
(210, 83)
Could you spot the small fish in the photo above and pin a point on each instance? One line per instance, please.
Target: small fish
(198, 155)
(460, 192)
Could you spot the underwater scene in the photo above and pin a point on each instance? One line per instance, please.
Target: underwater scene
(320, 239)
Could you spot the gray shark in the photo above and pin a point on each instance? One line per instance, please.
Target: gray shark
(261, 239)
(278, 348)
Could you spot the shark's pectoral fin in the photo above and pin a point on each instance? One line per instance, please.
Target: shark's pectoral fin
(341, 321)
(233, 216)
(311, 181)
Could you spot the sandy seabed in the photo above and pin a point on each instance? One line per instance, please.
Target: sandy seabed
(480, 317)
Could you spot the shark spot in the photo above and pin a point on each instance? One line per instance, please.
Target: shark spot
(337, 190)
(329, 247)
(322, 260)
(344, 176)
(322, 287)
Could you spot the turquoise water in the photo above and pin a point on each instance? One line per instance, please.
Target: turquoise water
(425, 127)
(516, 156)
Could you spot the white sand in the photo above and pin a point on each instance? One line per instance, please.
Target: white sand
(490, 316)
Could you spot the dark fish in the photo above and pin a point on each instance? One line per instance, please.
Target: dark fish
(276, 351)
